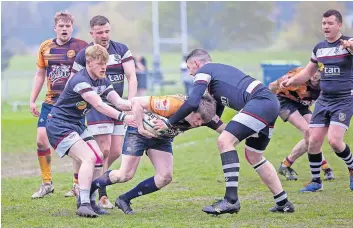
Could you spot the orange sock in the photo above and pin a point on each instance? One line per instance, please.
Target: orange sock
(44, 158)
(75, 178)
(324, 165)
(286, 162)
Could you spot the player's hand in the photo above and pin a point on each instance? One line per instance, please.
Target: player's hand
(285, 83)
(346, 44)
(160, 125)
(130, 120)
(33, 109)
(146, 133)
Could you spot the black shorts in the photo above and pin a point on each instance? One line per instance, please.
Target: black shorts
(288, 107)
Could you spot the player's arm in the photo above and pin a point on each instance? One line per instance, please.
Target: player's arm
(38, 82)
(95, 100)
(216, 124)
(302, 77)
(121, 104)
(347, 44)
(128, 64)
(138, 105)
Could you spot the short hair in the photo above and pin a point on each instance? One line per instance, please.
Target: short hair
(65, 15)
(333, 12)
(207, 108)
(97, 52)
(199, 54)
(98, 20)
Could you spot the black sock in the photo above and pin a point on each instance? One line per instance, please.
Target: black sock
(281, 198)
(315, 161)
(231, 166)
(143, 188)
(100, 182)
(102, 191)
(346, 156)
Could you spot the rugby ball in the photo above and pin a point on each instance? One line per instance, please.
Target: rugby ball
(148, 118)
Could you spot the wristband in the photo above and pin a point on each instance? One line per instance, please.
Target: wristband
(121, 117)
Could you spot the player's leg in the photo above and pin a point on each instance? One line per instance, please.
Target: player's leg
(297, 120)
(133, 149)
(318, 131)
(162, 160)
(75, 187)
(102, 127)
(254, 149)
(339, 124)
(44, 154)
(74, 191)
(116, 142)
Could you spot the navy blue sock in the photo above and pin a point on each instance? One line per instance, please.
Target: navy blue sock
(143, 188)
(100, 182)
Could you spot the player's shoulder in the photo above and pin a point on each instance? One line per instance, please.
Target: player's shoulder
(81, 76)
(346, 37)
(46, 43)
(81, 43)
(118, 45)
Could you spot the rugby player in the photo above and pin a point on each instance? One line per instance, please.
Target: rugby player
(69, 136)
(108, 132)
(258, 110)
(54, 62)
(295, 102)
(333, 109)
(159, 150)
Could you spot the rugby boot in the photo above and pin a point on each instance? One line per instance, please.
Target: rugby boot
(44, 189)
(287, 172)
(85, 210)
(328, 174)
(124, 205)
(286, 208)
(221, 207)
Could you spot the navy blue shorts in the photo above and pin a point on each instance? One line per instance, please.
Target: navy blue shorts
(135, 144)
(288, 107)
(141, 80)
(255, 122)
(45, 110)
(62, 135)
(327, 111)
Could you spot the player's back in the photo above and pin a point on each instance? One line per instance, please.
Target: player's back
(227, 84)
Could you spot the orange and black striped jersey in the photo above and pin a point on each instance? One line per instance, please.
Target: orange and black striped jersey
(304, 94)
(57, 60)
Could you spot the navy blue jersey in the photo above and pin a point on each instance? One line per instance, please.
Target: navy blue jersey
(70, 106)
(336, 67)
(227, 84)
(118, 54)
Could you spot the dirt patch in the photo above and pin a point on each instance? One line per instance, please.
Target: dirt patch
(26, 164)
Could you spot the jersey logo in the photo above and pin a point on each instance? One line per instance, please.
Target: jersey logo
(332, 71)
(162, 105)
(71, 53)
(320, 66)
(81, 105)
(117, 58)
(342, 116)
(59, 73)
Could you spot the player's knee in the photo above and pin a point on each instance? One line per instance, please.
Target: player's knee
(335, 143)
(126, 176)
(89, 158)
(306, 136)
(223, 144)
(42, 144)
(163, 179)
(253, 157)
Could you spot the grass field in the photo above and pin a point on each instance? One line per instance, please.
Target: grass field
(198, 180)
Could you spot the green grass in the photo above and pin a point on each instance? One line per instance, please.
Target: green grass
(198, 180)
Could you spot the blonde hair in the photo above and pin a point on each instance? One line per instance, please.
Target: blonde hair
(97, 52)
(65, 15)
